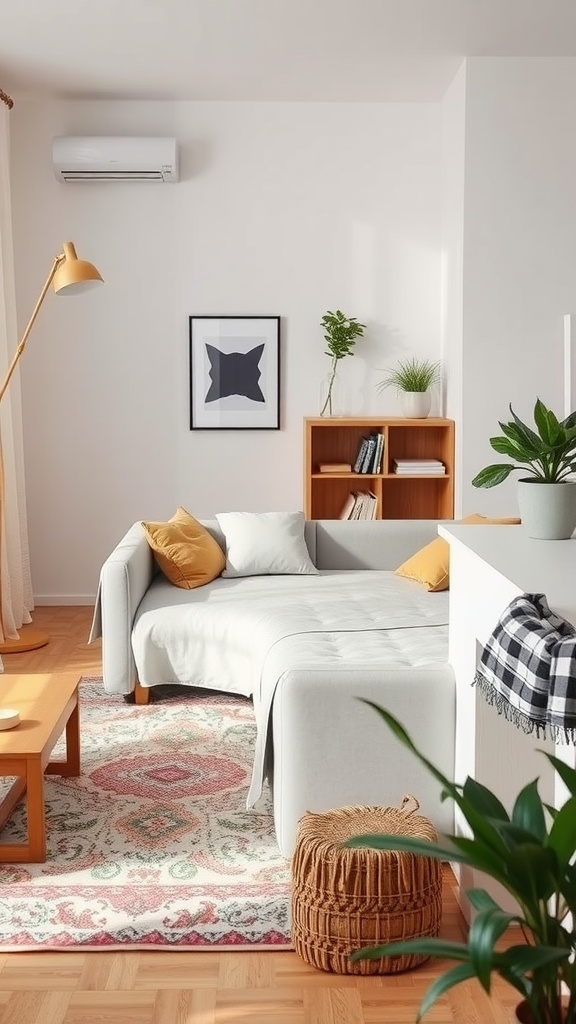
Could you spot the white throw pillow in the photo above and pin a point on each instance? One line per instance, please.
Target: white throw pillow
(265, 543)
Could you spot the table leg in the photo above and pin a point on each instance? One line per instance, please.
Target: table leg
(70, 765)
(36, 811)
(73, 742)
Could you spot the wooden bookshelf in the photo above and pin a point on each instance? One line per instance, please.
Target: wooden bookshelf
(337, 440)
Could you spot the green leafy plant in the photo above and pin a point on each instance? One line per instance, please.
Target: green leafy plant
(340, 333)
(546, 456)
(412, 375)
(531, 853)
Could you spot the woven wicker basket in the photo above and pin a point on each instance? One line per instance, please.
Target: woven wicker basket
(344, 899)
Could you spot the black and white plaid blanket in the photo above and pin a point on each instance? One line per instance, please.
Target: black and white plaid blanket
(527, 670)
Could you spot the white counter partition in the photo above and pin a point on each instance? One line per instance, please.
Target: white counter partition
(489, 566)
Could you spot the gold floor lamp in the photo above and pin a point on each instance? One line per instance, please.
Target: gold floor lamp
(68, 275)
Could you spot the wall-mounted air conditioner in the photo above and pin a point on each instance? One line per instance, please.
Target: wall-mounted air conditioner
(115, 158)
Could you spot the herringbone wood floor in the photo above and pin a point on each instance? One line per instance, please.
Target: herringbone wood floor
(211, 988)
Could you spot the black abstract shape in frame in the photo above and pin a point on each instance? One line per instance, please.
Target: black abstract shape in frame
(234, 373)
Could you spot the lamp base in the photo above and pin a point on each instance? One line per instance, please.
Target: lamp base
(29, 639)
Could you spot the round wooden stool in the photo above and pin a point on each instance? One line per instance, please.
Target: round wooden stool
(344, 899)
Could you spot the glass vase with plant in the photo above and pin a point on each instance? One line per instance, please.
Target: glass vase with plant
(340, 333)
(530, 852)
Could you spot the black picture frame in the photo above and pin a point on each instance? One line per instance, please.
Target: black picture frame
(234, 372)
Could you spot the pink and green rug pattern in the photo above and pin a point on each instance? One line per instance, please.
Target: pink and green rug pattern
(152, 846)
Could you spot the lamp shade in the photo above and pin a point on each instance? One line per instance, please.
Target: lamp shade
(74, 275)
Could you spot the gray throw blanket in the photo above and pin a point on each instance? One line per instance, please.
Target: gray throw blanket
(527, 670)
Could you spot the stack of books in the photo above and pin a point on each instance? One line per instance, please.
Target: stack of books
(369, 457)
(359, 505)
(419, 467)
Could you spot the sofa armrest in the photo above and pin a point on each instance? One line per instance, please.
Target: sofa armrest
(124, 579)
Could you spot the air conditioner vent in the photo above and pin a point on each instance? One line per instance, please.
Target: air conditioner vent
(94, 175)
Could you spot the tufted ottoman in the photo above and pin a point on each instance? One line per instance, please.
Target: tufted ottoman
(344, 899)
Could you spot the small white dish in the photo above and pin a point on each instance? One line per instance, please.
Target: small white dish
(9, 717)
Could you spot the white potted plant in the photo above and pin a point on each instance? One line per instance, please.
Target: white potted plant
(413, 380)
(547, 459)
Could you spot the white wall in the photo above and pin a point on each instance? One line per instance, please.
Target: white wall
(453, 181)
(284, 209)
(519, 251)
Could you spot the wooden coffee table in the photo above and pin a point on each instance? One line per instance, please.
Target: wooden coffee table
(48, 705)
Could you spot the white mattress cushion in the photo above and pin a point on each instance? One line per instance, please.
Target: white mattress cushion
(218, 636)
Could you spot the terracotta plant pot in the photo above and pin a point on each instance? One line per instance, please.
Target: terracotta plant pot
(523, 1015)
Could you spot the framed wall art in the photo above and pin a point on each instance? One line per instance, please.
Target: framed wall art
(234, 373)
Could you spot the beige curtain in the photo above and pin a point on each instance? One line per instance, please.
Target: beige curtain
(16, 600)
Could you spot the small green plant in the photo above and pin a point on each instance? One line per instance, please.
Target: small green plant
(412, 375)
(548, 456)
(533, 860)
(340, 333)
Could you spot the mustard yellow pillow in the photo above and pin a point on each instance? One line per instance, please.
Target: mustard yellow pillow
(430, 566)
(187, 554)
(479, 520)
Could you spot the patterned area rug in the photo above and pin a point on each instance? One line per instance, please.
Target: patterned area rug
(152, 846)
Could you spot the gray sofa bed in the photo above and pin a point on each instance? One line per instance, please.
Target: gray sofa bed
(355, 630)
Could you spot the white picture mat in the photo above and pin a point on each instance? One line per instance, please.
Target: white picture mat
(235, 334)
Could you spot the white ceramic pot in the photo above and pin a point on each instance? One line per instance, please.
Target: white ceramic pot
(548, 511)
(415, 404)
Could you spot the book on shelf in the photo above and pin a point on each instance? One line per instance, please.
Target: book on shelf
(351, 507)
(377, 466)
(357, 510)
(361, 453)
(418, 462)
(420, 467)
(369, 456)
(420, 472)
(368, 510)
(359, 505)
(335, 467)
(348, 506)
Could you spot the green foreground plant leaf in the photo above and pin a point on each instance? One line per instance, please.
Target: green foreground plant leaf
(536, 866)
(443, 984)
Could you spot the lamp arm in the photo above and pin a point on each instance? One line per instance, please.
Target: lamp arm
(57, 261)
